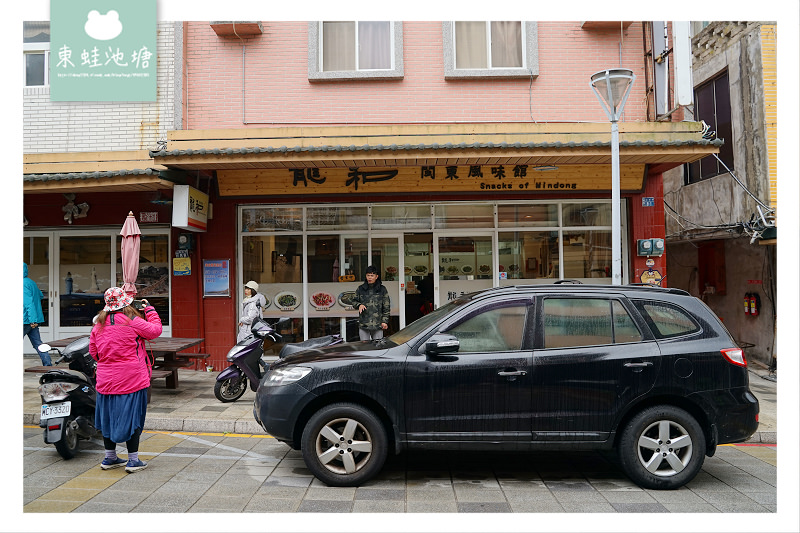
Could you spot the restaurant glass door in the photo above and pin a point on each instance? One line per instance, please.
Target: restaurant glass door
(418, 275)
(37, 253)
(386, 258)
(74, 268)
(465, 264)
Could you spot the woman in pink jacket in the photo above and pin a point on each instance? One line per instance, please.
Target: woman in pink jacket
(123, 374)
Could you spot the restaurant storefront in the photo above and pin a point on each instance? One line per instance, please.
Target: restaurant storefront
(440, 209)
(74, 207)
(74, 267)
(309, 259)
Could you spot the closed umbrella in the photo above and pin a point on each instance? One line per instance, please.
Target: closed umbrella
(130, 253)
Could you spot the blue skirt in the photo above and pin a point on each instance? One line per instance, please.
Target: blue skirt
(118, 416)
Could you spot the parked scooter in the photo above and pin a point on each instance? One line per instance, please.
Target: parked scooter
(247, 364)
(68, 398)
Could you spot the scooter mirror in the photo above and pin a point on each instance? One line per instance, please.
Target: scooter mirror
(44, 348)
(282, 321)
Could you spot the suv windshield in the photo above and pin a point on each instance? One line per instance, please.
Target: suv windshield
(423, 323)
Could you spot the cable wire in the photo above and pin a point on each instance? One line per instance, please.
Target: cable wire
(759, 202)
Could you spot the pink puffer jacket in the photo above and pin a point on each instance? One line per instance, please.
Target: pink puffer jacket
(119, 349)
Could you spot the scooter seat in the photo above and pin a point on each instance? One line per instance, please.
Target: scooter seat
(64, 373)
(310, 344)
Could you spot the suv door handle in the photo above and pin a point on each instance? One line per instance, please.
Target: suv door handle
(638, 365)
(512, 373)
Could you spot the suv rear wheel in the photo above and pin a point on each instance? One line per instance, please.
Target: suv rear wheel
(663, 447)
(344, 444)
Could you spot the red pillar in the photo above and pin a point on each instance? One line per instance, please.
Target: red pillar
(647, 222)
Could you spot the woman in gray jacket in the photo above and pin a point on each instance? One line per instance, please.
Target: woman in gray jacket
(252, 305)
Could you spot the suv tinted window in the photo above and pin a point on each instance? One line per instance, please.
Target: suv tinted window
(498, 329)
(666, 320)
(624, 328)
(572, 322)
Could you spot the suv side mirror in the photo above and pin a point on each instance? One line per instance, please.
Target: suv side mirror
(441, 343)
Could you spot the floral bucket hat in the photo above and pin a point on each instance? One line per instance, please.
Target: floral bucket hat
(116, 299)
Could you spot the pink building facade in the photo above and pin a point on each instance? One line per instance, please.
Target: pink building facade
(263, 80)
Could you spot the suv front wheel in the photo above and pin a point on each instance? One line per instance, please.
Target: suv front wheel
(663, 447)
(344, 444)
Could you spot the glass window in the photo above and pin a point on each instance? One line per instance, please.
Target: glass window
(290, 331)
(272, 219)
(713, 106)
(335, 217)
(666, 320)
(386, 258)
(35, 252)
(35, 69)
(320, 327)
(152, 282)
(405, 216)
(272, 258)
(88, 262)
(528, 255)
(464, 216)
(490, 49)
(355, 257)
(499, 329)
(36, 49)
(576, 322)
(465, 258)
(514, 215)
(323, 259)
(358, 45)
(625, 329)
(355, 50)
(486, 45)
(595, 214)
(587, 254)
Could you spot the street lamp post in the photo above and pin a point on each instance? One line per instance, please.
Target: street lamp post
(612, 87)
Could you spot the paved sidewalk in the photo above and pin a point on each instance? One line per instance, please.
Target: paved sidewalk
(193, 407)
(208, 457)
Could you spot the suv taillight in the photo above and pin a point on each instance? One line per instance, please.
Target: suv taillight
(735, 356)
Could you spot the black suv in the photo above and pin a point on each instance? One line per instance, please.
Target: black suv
(649, 371)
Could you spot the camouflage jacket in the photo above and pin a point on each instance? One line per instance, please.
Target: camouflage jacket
(376, 298)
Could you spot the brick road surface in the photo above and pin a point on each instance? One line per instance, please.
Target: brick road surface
(196, 472)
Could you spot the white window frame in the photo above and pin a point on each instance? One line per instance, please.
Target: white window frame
(315, 72)
(36, 48)
(530, 55)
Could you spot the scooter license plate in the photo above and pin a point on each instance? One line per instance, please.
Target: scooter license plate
(55, 410)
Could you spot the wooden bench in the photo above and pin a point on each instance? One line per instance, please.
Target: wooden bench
(194, 358)
(172, 364)
(42, 369)
(193, 355)
(158, 374)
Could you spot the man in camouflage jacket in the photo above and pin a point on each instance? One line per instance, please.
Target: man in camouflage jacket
(372, 302)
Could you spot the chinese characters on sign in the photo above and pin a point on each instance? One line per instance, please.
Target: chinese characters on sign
(139, 60)
(103, 51)
(497, 179)
(190, 208)
(502, 181)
